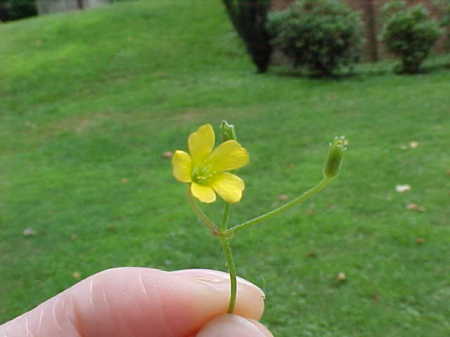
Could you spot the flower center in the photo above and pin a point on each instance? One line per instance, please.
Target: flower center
(202, 175)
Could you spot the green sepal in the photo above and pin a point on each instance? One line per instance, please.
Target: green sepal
(228, 131)
(335, 156)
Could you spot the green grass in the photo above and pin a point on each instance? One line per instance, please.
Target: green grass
(90, 99)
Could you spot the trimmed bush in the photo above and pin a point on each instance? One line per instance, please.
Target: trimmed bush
(445, 23)
(444, 7)
(409, 33)
(16, 9)
(319, 35)
(249, 20)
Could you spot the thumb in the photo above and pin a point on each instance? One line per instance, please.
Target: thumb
(235, 326)
(137, 302)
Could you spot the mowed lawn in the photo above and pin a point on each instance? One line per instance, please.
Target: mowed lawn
(90, 101)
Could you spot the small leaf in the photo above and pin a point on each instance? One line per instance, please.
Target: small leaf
(283, 197)
(415, 207)
(311, 254)
(341, 277)
(402, 188)
(376, 298)
(167, 154)
(29, 232)
(413, 144)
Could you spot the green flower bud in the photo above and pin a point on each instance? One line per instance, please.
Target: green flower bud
(335, 154)
(228, 131)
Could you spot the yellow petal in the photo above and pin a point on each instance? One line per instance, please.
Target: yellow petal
(229, 155)
(201, 143)
(203, 193)
(228, 186)
(182, 166)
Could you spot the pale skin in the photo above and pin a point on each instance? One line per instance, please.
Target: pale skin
(143, 302)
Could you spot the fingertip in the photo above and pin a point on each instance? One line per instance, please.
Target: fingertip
(233, 325)
(216, 285)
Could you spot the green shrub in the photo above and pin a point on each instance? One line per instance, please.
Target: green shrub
(16, 9)
(319, 35)
(444, 7)
(409, 33)
(445, 23)
(249, 20)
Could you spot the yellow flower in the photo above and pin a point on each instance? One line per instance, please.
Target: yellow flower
(206, 169)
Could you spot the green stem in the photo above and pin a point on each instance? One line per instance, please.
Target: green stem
(224, 240)
(308, 194)
(232, 271)
(226, 216)
(201, 215)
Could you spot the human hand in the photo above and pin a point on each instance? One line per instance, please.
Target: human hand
(142, 302)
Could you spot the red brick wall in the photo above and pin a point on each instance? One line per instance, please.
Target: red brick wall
(371, 15)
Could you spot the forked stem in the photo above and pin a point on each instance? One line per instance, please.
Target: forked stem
(201, 215)
(225, 243)
(300, 199)
(225, 234)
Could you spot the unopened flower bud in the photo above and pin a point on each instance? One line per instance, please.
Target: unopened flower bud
(335, 154)
(228, 131)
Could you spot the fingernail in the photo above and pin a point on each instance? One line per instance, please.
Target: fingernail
(233, 325)
(218, 280)
(214, 287)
